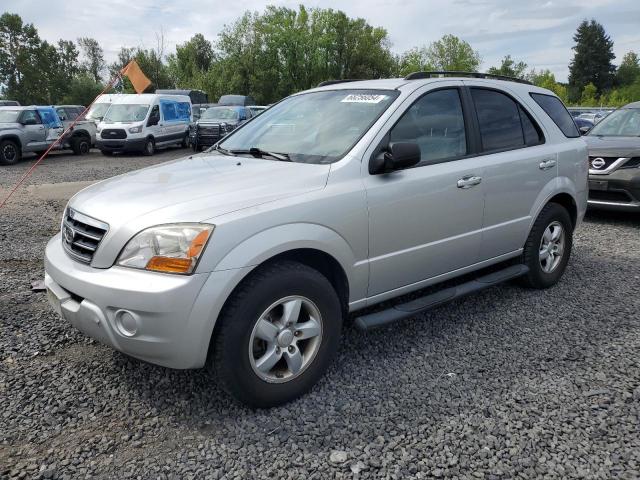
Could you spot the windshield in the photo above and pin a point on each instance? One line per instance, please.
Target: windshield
(9, 116)
(97, 111)
(220, 113)
(621, 123)
(316, 127)
(126, 112)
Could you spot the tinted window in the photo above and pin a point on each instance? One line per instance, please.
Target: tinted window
(532, 132)
(499, 120)
(436, 123)
(72, 114)
(30, 115)
(554, 107)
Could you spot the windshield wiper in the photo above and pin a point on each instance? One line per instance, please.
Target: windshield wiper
(257, 152)
(218, 148)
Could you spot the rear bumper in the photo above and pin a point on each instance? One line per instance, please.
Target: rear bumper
(124, 145)
(619, 190)
(159, 318)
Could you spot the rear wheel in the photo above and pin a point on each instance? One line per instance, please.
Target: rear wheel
(185, 141)
(9, 153)
(80, 145)
(149, 147)
(277, 334)
(548, 247)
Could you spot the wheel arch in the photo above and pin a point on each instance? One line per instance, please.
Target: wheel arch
(13, 138)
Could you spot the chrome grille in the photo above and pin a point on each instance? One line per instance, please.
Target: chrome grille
(81, 235)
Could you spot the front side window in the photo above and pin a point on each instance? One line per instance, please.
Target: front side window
(499, 120)
(314, 127)
(30, 116)
(436, 123)
(621, 123)
(554, 107)
(126, 113)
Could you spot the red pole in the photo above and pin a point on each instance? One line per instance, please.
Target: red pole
(55, 143)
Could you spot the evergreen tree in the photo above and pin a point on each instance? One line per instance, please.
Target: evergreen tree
(592, 60)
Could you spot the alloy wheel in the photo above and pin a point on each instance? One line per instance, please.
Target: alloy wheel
(552, 247)
(285, 339)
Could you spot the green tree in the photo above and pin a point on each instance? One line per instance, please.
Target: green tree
(592, 59)
(413, 60)
(452, 53)
(190, 61)
(546, 79)
(83, 89)
(589, 95)
(629, 69)
(93, 57)
(510, 68)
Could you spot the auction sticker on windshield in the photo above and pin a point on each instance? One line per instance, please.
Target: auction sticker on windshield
(363, 98)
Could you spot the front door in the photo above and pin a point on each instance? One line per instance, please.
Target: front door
(425, 221)
(34, 131)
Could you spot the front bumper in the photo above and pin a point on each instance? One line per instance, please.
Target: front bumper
(123, 145)
(160, 318)
(619, 190)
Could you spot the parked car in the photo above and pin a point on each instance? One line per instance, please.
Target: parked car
(593, 117)
(143, 123)
(196, 96)
(333, 200)
(257, 110)
(35, 129)
(614, 160)
(101, 105)
(238, 100)
(9, 103)
(83, 136)
(215, 123)
(583, 124)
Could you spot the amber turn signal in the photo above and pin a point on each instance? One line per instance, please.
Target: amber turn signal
(169, 264)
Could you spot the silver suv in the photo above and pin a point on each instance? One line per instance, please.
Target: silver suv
(251, 255)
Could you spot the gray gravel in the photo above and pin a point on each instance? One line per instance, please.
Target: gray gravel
(509, 383)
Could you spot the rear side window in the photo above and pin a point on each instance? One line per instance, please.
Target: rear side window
(532, 133)
(554, 107)
(499, 120)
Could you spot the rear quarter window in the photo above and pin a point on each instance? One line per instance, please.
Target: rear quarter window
(554, 107)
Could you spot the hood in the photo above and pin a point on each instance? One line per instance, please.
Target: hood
(196, 189)
(603, 146)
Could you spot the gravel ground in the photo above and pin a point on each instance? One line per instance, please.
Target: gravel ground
(509, 383)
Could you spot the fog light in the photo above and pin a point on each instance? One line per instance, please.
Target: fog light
(127, 323)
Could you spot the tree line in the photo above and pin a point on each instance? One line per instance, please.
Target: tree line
(272, 54)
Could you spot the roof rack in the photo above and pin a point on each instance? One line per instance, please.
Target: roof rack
(455, 73)
(333, 82)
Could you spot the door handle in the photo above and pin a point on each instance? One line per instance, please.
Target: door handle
(468, 182)
(547, 164)
(41, 127)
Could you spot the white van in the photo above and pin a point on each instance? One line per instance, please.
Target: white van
(100, 106)
(144, 122)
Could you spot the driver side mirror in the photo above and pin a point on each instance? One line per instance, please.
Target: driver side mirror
(584, 130)
(397, 156)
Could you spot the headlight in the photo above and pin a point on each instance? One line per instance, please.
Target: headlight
(137, 129)
(167, 248)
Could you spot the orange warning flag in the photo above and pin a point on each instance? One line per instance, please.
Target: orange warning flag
(138, 79)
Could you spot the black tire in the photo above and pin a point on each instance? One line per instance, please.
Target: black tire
(552, 214)
(149, 148)
(268, 284)
(10, 153)
(81, 145)
(106, 153)
(185, 141)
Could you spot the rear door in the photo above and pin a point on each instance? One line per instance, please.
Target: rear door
(425, 221)
(518, 164)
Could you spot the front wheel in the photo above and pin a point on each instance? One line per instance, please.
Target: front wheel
(277, 334)
(80, 145)
(548, 247)
(9, 153)
(149, 147)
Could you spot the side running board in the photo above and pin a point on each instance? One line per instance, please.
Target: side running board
(422, 304)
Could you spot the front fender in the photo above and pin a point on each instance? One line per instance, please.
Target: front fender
(273, 241)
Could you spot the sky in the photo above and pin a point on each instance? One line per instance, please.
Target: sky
(539, 33)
